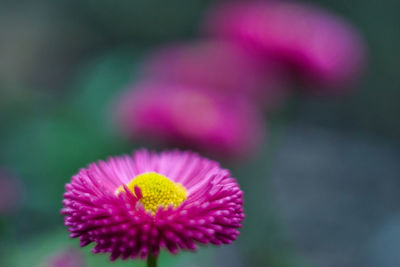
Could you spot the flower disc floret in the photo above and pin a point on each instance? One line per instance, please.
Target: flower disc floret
(155, 190)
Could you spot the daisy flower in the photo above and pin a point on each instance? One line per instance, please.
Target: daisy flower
(221, 67)
(320, 47)
(172, 115)
(69, 257)
(11, 192)
(135, 206)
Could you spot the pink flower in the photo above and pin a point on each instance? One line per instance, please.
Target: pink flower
(185, 117)
(11, 191)
(320, 47)
(66, 258)
(218, 66)
(132, 206)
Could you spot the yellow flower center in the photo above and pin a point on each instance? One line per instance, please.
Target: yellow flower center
(157, 191)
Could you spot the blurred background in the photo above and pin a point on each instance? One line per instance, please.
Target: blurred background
(321, 180)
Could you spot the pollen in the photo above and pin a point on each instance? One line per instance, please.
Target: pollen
(156, 191)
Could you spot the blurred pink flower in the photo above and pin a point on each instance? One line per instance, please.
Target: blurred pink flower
(187, 117)
(320, 47)
(66, 258)
(10, 191)
(218, 66)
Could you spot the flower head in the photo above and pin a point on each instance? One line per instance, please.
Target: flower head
(65, 258)
(131, 206)
(194, 118)
(320, 47)
(218, 66)
(11, 191)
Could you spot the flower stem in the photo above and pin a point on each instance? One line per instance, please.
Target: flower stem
(151, 260)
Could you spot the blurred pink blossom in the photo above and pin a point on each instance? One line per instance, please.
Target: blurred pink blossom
(193, 118)
(65, 258)
(321, 48)
(11, 191)
(218, 66)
